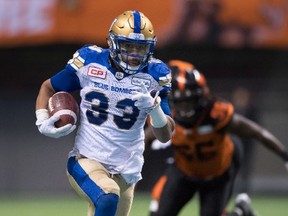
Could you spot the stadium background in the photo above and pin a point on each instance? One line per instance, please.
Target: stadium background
(38, 37)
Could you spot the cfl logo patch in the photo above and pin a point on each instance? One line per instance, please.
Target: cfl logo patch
(97, 72)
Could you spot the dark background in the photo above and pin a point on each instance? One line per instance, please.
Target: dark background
(31, 163)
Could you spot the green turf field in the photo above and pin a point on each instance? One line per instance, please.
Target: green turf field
(73, 206)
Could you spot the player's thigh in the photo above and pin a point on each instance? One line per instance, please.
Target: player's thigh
(215, 194)
(212, 202)
(93, 175)
(181, 188)
(126, 196)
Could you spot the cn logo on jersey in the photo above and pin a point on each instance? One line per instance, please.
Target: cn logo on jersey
(96, 72)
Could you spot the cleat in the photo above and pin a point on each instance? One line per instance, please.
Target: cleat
(243, 202)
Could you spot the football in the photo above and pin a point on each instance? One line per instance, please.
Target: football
(64, 104)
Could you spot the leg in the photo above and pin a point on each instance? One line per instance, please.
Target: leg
(177, 191)
(126, 196)
(155, 195)
(92, 181)
(215, 195)
(91, 209)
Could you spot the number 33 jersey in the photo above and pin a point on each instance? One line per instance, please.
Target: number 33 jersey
(111, 127)
(205, 150)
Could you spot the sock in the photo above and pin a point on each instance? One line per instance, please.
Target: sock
(107, 205)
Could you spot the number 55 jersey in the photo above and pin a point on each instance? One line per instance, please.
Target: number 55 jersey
(205, 150)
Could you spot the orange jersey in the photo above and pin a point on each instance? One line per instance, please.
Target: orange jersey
(205, 150)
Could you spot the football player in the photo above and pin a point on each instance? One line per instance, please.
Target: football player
(206, 160)
(119, 87)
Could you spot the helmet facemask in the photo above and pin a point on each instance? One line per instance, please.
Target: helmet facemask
(187, 107)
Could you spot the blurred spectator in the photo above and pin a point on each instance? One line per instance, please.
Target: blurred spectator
(241, 99)
(275, 31)
(69, 5)
(233, 24)
(198, 24)
(265, 20)
(232, 36)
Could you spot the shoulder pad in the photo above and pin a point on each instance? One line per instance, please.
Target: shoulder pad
(82, 56)
(160, 71)
(223, 112)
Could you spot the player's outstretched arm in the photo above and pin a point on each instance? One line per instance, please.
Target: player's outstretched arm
(164, 133)
(244, 127)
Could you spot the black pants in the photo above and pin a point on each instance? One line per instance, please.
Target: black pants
(214, 194)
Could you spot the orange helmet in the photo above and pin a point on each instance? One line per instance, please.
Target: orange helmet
(187, 82)
(189, 91)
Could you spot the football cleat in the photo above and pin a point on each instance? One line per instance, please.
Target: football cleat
(243, 202)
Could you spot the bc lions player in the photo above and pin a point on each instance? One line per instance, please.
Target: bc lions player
(116, 86)
(206, 160)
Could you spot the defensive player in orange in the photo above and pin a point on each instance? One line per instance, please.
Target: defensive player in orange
(206, 160)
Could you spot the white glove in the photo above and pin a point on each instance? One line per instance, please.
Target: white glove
(151, 105)
(144, 100)
(157, 145)
(46, 125)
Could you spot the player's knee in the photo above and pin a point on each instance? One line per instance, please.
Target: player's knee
(107, 205)
(111, 187)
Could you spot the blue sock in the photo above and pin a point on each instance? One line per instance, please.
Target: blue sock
(107, 205)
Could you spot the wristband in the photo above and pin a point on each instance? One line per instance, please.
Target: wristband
(158, 117)
(41, 115)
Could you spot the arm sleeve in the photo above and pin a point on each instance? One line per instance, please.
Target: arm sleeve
(65, 80)
(165, 105)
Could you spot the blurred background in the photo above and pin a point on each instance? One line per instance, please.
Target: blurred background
(241, 47)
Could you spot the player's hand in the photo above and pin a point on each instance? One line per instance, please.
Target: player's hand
(144, 100)
(157, 145)
(46, 125)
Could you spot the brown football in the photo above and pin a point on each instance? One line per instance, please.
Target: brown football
(64, 104)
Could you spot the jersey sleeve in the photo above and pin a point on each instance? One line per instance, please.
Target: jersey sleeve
(68, 79)
(80, 58)
(162, 74)
(165, 105)
(65, 80)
